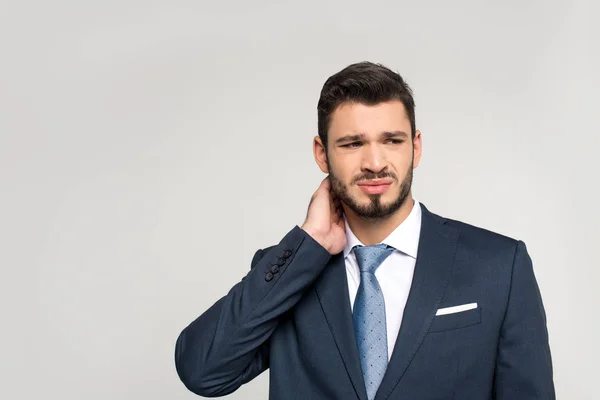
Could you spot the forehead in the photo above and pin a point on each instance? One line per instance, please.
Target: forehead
(368, 119)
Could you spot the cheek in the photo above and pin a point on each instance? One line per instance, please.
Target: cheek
(342, 169)
(403, 162)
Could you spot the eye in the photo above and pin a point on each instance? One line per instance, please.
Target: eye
(396, 141)
(351, 145)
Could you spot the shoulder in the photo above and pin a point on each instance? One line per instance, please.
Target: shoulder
(479, 239)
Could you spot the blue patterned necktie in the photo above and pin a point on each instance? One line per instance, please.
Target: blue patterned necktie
(369, 316)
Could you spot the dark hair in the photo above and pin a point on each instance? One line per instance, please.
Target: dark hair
(365, 83)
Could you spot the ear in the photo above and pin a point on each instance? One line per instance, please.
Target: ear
(320, 154)
(418, 148)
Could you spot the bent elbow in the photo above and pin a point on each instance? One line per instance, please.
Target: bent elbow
(189, 367)
(193, 371)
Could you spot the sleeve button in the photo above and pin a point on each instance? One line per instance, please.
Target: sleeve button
(268, 277)
(274, 269)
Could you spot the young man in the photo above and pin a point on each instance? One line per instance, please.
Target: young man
(375, 297)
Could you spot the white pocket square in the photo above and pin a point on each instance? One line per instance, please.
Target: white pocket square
(456, 309)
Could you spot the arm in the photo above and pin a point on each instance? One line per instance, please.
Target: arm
(524, 364)
(227, 345)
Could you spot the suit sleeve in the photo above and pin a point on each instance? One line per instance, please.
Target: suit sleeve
(227, 345)
(524, 363)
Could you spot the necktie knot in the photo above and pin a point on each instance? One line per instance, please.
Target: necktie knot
(369, 258)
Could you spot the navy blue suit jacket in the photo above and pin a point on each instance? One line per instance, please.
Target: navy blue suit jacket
(291, 314)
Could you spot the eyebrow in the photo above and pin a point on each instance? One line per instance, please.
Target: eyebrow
(359, 136)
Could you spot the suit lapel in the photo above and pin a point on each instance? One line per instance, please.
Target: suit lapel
(332, 291)
(437, 246)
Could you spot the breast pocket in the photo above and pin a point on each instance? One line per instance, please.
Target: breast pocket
(457, 320)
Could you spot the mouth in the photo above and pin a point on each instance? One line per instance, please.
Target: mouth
(375, 186)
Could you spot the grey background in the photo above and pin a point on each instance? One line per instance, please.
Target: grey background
(147, 149)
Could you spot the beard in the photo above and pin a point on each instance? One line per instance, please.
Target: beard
(375, 209)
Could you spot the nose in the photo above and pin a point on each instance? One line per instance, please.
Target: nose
(373, 159)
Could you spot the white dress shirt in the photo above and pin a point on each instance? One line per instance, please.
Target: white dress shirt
(394, 274)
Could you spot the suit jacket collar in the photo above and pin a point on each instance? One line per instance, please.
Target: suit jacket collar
(437, 246)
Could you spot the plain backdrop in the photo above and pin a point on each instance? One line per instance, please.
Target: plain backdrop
(149, 148)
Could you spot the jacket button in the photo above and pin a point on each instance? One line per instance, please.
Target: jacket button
(274, 269)
(268, 276)
(280, 261)
(287, 253)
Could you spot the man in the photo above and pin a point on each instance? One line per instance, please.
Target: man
(375, 297)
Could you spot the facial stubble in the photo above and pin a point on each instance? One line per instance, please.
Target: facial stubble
(375, 209)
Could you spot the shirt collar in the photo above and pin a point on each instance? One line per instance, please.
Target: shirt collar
(404, 238)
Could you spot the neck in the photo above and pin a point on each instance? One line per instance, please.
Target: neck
(371, 232)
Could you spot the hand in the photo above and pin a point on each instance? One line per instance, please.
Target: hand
(324, 221)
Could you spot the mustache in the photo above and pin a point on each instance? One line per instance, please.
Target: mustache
(374, 176)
